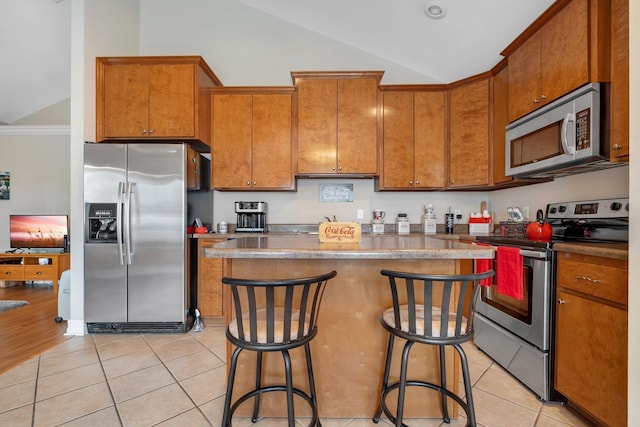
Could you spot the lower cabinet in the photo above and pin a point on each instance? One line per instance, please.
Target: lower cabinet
(591, 335)
(206, 278)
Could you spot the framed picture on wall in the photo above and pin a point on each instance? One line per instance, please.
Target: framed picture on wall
(5, 185)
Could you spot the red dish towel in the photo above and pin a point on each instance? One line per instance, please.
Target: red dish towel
(483, 265)
(509, 274)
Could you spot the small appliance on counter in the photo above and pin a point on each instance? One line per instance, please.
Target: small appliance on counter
(252, 217)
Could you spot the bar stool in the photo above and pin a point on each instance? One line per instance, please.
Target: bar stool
(427, 318)
(274, 315)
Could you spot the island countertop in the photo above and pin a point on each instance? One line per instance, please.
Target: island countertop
(369, 247)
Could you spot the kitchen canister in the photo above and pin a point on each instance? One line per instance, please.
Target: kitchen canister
(402, 224)
(222, 227)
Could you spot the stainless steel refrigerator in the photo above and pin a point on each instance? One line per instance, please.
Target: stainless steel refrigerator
(135, 202)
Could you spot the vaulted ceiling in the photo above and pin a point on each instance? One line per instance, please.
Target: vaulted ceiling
(35, 39)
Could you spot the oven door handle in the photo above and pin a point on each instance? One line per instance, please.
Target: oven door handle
(533, 254)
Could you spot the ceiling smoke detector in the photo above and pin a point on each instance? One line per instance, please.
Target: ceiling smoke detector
(435, 9)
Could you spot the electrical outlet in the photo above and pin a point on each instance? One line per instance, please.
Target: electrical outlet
(525, 212)
(458, 213)
(360, 214)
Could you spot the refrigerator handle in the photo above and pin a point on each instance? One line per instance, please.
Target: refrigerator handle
(119, 212)
(127, 222)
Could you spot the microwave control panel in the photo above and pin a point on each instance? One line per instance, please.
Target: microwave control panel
(583, 129)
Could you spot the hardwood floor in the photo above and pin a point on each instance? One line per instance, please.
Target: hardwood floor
(31, 329)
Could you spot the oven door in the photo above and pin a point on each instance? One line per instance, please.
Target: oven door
(528, 318)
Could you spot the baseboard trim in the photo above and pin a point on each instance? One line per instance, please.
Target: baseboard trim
(76, 327)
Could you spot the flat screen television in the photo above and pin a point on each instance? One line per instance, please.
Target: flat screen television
(38, 231)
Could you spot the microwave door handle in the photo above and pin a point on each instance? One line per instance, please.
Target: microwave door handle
(569, 117)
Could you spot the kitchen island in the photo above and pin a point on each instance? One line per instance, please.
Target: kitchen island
(349, 350)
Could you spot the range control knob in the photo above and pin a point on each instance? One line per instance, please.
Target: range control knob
(626, 207)
(562, 209)
(615, 206)
(552, 210)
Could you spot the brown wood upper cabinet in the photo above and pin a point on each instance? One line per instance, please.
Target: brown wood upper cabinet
(414, 138)
(337, 122)
(564, 49)
(193, 169)
(252, 139)
(160, 98)
(469, 134)
(619, 80)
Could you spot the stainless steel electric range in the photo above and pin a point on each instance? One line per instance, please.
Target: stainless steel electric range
(518, 333)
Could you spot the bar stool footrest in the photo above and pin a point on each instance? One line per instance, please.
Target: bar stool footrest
(268, 389)
(390, 415)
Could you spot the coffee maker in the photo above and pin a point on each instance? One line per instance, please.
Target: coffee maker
(252, 217)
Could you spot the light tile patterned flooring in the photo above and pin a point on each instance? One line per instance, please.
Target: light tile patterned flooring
(179, 380)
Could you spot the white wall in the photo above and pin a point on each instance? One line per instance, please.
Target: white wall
(303, 206)
(611, 183)
(39, 167)
(244, 46)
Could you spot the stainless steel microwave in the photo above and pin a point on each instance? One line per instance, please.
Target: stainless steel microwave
(569, 135)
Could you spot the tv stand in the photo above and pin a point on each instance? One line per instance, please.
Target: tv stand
(24, 266)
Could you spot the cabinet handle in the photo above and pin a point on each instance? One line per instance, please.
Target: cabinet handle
(588, 279)
(536, 101)
(411, 182)
(561, 301)
(39, 273)
(248, 182)
(254, 182)
(144, 131)
(8, 273)
(333, 168)
(150, 131)
(417, 182)
(617, 147)
(543, 96)
(339, 168)
(453, 181)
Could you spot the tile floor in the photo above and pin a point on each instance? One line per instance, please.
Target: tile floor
(179, 380)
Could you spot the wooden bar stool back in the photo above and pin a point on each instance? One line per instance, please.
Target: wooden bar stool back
(429, 316)
(274, 315)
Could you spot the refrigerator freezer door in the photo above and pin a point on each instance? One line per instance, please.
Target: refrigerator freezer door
(105, 278)
(157, 209)
(105, 284)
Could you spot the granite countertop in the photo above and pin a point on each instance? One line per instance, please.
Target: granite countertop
(607, 250)
(371, 246)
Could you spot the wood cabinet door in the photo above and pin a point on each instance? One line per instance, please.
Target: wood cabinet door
(232, 140)
(552, 62)
(500, 107)
(591, 356)
(193, 169)
(209, 281)
(620, 81)
(469, 135)
(525, 78)
(357, 126)
(430, 139)
(317, 126)
(397, 144)
(565, 51)
(172, 100)
(272, 151)
(125, 103)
